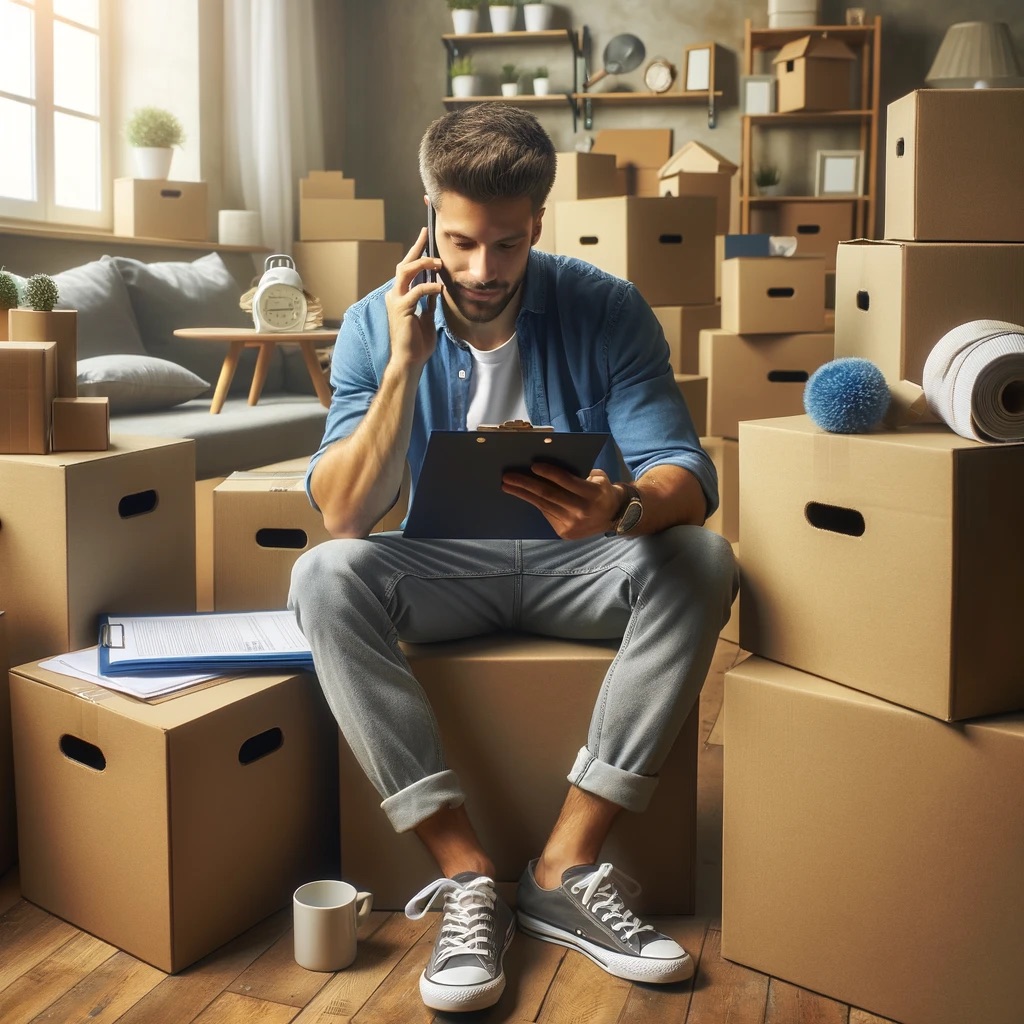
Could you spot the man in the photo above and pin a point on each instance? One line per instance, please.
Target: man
(517, 334)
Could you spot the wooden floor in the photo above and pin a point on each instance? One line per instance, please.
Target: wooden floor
(52, 972)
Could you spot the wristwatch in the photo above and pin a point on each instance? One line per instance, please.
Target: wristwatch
(630, 512)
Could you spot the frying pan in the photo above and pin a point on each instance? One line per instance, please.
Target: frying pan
(623, 53)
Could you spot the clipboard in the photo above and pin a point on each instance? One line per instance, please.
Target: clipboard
(459, 496)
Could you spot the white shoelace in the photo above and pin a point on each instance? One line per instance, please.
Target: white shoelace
(467, 912)
(597, 884)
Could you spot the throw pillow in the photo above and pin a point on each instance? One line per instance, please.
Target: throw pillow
(138, 383)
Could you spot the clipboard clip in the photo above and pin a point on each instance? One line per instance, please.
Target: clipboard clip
(513, 425)
(107, 637)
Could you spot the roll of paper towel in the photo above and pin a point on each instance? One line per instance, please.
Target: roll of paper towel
(239, 227)
(974, 380)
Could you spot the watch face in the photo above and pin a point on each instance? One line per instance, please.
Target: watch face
(634, 510)
(658, 75)
(281, 308)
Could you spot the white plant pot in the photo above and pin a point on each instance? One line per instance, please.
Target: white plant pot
(463, 86)
(465, 20)
(769, 190)
(540, 86)
(538, 17)
(153, 162)
(509, 88)
(503, 18)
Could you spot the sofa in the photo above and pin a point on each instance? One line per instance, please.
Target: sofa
(160, 386)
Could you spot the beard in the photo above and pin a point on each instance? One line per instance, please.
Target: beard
(489, 302)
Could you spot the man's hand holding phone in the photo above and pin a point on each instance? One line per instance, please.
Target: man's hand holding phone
(413, 335)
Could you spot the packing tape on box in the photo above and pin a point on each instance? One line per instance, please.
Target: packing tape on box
(974, 380)
(239, 227)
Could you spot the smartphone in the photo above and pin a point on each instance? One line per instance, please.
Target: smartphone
(431, 275)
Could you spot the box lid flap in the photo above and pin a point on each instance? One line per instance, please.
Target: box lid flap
(697, 158)
(823, 47)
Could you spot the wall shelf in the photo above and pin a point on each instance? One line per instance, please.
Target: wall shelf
(109, 238)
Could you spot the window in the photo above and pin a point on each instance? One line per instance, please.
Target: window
(54, 119)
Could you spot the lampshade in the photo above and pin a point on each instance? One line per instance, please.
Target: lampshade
(976, 53)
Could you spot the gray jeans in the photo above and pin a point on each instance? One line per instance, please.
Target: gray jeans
(666, 596)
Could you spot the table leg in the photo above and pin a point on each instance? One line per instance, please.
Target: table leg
(227, 373)
(259, 377)
(316, 375)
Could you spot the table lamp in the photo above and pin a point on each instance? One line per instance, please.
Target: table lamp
(976, 54)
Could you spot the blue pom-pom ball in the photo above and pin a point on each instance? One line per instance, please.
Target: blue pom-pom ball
(846, 396)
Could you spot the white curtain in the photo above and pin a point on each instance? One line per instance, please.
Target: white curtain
(273, 124)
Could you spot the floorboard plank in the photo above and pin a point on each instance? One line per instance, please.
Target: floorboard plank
(232, 1008)
(790, 1004)
(108, 992)
(724, 992)
(10, 889)
(28, 936)
(863, 1017)
(582, 993)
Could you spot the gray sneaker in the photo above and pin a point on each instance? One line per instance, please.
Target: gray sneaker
(464, 971)
(586, 913)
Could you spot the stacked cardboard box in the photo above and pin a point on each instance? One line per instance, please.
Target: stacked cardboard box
(8, 821)
(341, 255)
(577, 176)
(865, 818)
(640, 153)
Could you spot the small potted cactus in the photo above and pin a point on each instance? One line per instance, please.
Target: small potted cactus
(8, 300)
(540, 82)
(152, 132)
(509, 80)
(37, 320)
(767, 179)
(463, 77)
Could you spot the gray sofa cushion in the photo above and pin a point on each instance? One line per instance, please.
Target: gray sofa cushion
(203, 293)
(138, 383)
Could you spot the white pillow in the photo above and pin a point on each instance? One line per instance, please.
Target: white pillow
(138, 383)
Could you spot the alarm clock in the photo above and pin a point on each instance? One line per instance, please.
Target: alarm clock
(659, 75)
(279, 303)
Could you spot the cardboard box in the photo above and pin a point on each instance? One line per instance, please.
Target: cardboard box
(59, 326)
(719, 257)
(578, 176)
(868, 849)
(731, 630)
(341, 273)
(682, 326)
(698, 170)
(889, 561)
(327, 185)
(756, 376)
(513, 763)
(91, 532)
(814, 73)
(694, 390)
(81, 424)
(8, 820)
(347, 220)
(952, 165)
(895, 300)
(646, 182)
(167, 829)
(817, 227)
(724, 454)
(773, 295)
(28, 384)
(664, 246)
(153, 208)
(635, 147)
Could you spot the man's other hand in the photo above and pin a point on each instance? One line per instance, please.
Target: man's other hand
(575, 508)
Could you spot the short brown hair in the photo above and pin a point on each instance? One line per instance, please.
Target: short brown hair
(488, 151)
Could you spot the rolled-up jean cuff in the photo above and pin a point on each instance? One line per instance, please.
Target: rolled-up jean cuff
(624, 788)
(414, 804)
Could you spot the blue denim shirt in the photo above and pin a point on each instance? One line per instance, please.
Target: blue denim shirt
(593, 355)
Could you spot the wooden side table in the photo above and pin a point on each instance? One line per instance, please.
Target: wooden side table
(248, 337)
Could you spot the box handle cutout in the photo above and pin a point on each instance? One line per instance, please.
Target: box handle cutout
(75, 749)
(588, 240)
(787, 376)
(261, 745)
(808, 229)
(272, 537)
(835, 518)
(863, 301)
(790, 65)
(781, 293)
(139, 504)
(900, 147)
(670, 239)
(170, 193)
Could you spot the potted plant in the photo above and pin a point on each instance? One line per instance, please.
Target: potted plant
(509, 80)
(540, 82)
(538, 17)
(767, 179)
(503, 15)
(8, 300)
(37, 320)
(463, 77)
(465, 15)
(152, 132)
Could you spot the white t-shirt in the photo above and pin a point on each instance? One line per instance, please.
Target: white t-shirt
(496, 386)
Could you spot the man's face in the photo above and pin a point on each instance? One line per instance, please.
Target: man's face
(484, 248)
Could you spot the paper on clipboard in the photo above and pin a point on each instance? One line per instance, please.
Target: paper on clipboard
(84, 665)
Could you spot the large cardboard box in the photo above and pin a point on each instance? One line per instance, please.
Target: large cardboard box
(151, 208)
(8, 821)
(952, 165)
(724, 454)
(814, 73)
(698, 170)
(167, 829)
(889, 561)
(28, 385)
(86, 533)
(81, 424)
(817, 227)
(327, 185)
(350, 220)
(682, 326)
(512, 763)
(731, 630)
(895, 300)
(635, 147)
(753, 377)
(694, 390)
(341, 273)
(577, 176)
(870, 853)
(773, 294)
(665, 246)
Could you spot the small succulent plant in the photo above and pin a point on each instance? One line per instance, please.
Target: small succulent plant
(463, 5)
(766, 175)
(462, 66)
(41, 292)
(509, 73)
(541, 72)
(8, 291)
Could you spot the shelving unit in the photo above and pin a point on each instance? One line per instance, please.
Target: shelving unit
(865, 41)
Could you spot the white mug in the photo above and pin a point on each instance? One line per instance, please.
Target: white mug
(326, 915)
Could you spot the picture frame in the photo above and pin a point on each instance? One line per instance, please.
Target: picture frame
(839, 172)
(758, 94)
(699, 67)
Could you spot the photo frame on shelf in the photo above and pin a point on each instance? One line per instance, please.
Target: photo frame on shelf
(698, 67)
(758, 92)
(839, 172)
